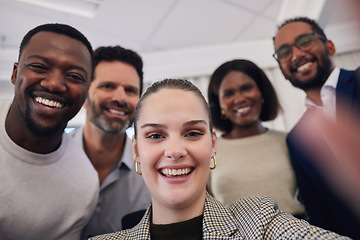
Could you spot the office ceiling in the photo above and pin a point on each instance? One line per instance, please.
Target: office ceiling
(178, 38)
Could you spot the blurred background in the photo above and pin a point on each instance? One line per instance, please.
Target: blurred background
(186, 38)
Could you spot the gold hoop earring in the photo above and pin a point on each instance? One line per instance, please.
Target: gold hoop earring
(137, 168)
(223, 116)
(213, 166)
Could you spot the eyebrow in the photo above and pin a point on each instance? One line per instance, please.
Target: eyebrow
(153, 125)
(186, 124)
(194, 122)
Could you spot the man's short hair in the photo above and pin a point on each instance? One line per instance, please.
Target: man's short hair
(59, 29)
(117, 53)
(314, 25)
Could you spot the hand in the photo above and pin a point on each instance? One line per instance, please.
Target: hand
(336, 150)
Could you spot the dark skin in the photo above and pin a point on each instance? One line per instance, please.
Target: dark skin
(51, 82)
(241, 101)
(316, 58)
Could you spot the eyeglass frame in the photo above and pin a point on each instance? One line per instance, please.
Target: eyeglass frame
(295, 44)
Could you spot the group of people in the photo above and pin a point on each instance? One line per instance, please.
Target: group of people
(153, 185)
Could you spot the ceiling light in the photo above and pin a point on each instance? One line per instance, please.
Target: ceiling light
(84, 8)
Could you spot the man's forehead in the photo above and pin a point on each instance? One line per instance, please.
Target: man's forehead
(45, 40)
(42, 35)
(291, 31)
(46, 37)
(117, 72)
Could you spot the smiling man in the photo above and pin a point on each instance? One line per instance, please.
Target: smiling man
(110, 109)
(304, 56)
(48, 189)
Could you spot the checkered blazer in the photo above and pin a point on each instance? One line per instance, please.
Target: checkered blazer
(247, 218)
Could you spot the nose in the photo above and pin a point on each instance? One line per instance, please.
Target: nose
(54, 82)
(119, 95)
(174, 148)
(239, 97)
(296, 53)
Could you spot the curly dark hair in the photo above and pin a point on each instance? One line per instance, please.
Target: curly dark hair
(271, 105)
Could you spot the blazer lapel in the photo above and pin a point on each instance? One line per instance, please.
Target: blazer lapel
(345, 89)
(142, 230)
(218, 222)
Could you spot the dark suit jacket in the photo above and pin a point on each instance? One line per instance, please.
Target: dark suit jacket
(324, 206)
(248, 218)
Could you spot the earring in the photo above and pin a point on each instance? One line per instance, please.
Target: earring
(137, 168)
(223, 116)
(213, 166)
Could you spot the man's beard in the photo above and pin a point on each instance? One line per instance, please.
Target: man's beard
(315, 82)
(36, 127)
(38, 130)
(103, 123)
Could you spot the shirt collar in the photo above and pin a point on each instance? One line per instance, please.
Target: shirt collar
(127, 158)
(333, 78)
(330, 83)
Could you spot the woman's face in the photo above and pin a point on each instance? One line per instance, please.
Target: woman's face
(240, 99)
(174, 146)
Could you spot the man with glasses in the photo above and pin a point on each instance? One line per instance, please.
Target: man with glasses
(304, 56)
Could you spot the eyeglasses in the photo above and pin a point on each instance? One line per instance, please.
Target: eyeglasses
(304, 42)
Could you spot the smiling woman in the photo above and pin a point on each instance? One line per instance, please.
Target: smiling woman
(174, 148)
(168, 143)
(252, 160)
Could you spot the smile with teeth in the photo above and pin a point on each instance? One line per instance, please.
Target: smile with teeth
(243, 109)
(48, 102)
(304, 67)
(175, 172)
(117, 112)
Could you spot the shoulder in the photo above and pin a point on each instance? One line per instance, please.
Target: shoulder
(277, 134)
(77, 133)
(260, 216)
(253, 206)
(246, 218)
(298, 126)
(347, 76)
(76, 158)
(113, 236)
(72, 145)
(4, 107)
(140, 231)
(244, 214)
(346, 71)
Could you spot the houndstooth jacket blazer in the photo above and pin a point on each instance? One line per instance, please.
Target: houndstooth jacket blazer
(247, 218)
